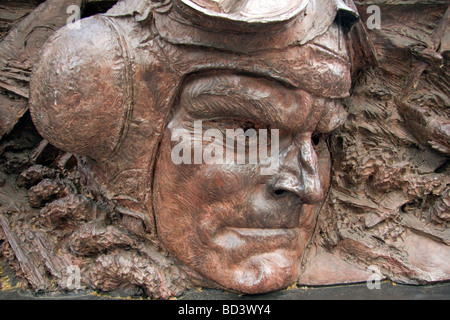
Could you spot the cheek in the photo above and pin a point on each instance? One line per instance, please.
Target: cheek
(192, 201)
(190, 189)
(174, 203)
(218, 183)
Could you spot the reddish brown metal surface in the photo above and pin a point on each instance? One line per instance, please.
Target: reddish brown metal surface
(347, 193)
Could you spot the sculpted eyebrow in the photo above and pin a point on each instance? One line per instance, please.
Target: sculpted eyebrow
(232, 103)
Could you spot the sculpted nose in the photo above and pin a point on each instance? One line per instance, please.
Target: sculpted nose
(299, 174)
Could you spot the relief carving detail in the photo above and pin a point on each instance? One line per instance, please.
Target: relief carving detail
(241, 145)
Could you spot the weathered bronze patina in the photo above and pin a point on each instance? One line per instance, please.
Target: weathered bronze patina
(113, 95)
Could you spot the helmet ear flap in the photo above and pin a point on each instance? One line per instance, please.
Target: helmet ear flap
(81, 89)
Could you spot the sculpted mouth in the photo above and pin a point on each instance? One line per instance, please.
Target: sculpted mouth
(263, 232)
(262, 238)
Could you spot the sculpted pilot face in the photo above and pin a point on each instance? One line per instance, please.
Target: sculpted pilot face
(243, 226)
(230, 222)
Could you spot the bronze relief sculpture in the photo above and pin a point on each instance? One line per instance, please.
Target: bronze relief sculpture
(122, 94)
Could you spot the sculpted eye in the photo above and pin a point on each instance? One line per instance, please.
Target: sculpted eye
(252, 130)
(243, 132)
(318, 140)
(232, 124)
(249, 125)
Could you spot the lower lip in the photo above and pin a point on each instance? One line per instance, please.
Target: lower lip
(235, 238)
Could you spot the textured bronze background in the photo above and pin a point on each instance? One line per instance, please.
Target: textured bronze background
(87, 179)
